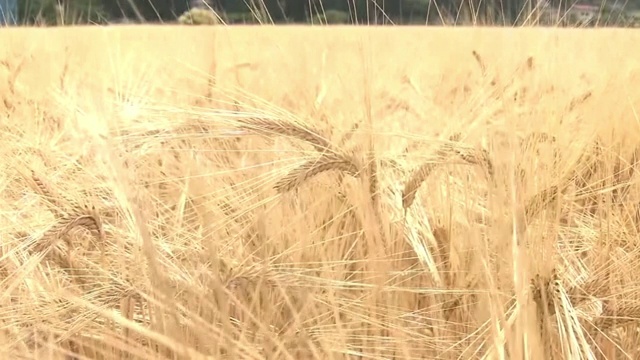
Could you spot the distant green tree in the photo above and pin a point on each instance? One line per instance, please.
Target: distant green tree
(332, 16)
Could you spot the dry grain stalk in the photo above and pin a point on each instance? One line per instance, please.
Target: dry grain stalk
(374, 183)
(87, 219)
(421, 174)
(578, 100)
(540, 201)
(291, 129)
(413, 184)
(527, 66)
(62, 231)
(534, 138)
(443, 255)
(530, 142)
(58, 204)
(480, 62)
(614, 316)
(331, 158)
(545, 197)
(622, 177)
(470, 155)
(311, 168)
(583, 177)
(70, 215)
(545, 292)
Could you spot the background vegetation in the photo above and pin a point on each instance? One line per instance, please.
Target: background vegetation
(398, 12)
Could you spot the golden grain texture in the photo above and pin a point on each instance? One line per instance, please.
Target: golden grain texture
(319, 193)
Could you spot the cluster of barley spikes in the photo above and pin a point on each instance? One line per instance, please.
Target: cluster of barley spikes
(376, 273)
(55, 268)
(575, 318)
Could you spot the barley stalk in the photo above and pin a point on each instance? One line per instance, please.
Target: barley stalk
(480, 62)
(579, 100)
(421, 174)
(540, 201)
(615, 316)
(373, 181)
(89, 221)
(544, 198)
(291, 129)
(58, 203)
(417, 178)
(535, 138)
(443, 243)
(311, 168)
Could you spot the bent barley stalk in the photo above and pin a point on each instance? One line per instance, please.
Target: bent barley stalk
(417, 178)
(540, 201)
(314, 167)
(470, 155)
(421, 174)
(89, 221)
(544, 198)
(291, 129)
(85, 217)
(57, 203)
(77, 216)
(535, 138)
(616, 316)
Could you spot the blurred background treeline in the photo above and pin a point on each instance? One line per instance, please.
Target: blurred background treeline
(390, 12)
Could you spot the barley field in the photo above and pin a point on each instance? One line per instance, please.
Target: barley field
(319, 193)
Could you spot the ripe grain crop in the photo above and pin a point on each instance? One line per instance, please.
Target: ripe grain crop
(319, 193)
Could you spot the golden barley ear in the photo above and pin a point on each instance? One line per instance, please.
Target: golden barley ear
(349, 134)
(592, 162)
(530, 63)
(579, 100)
(374, 184)
(88, 219)
(544, 198)
(455, 137)
(311, 168)
(421, 174)
(471, 156)
(623, 177)
(290, 129)
(415, 181)
(478, 157)
(443, 251)
(614, 316)
(540, 201)
(57, 203)
(480, 62)
(545, 293)
(535, 138)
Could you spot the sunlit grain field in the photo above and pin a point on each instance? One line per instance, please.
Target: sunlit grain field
(319, 193)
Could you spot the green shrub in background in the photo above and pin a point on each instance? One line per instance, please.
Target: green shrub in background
(55, 12)
(197, 16)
